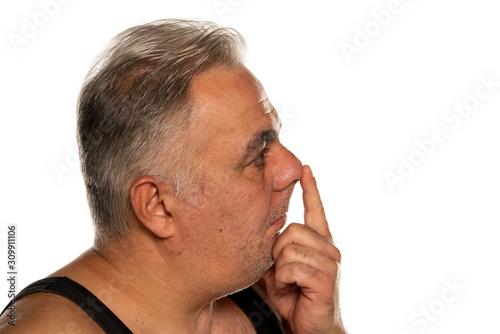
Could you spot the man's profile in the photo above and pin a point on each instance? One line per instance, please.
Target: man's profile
(188, 186)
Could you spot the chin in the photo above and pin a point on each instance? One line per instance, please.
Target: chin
(251, 274)
(264, 266)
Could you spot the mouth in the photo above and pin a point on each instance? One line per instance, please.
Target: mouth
(273, 231)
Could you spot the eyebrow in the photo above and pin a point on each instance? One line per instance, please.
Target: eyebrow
(255, 144)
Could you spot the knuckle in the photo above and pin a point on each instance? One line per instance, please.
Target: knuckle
(333, 252)
(294, 227)
(288, 253)
(292, 231)
(295, 253)
(334, 269)
(307, 271)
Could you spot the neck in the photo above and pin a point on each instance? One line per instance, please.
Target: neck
(143, 288)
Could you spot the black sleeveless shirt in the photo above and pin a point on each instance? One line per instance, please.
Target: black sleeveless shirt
(259, 313)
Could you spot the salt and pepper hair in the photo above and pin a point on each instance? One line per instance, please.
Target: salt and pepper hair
(134, 111)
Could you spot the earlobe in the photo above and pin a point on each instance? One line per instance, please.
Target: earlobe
(148, 198)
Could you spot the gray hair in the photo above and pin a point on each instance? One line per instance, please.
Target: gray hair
(134, 111)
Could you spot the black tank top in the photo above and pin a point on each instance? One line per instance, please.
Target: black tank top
(259, 313)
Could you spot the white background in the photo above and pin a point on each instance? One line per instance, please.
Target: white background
(349, 120)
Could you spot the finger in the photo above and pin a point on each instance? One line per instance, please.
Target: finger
(270, 280)
(302, 235)
(281, 300)
(312, 257)
(309, 279)
(314, 212)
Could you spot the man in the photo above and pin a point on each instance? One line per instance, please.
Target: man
(188, 186)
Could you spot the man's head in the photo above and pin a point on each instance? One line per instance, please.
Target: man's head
(197, 166)
(135, 107)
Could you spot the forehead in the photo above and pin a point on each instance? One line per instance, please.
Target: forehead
(232, 103)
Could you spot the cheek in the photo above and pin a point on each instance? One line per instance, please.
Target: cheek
(241, 207)
(250, 198)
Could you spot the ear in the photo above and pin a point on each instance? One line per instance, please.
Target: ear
(150, 202)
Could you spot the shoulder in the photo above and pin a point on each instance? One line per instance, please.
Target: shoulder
(46, 313)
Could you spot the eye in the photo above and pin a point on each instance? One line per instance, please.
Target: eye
(260, 161)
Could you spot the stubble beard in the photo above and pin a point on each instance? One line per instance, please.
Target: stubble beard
(268, 261)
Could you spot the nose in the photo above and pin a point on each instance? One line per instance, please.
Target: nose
(287, 169)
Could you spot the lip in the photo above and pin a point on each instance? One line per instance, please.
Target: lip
(273, 230)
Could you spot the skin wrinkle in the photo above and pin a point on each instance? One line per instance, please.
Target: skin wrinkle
(256, 144)
(250, 147)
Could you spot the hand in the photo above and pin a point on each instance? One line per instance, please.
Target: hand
(303, 283)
